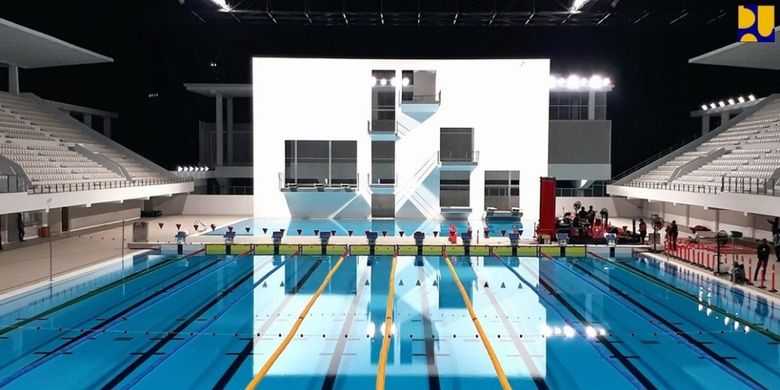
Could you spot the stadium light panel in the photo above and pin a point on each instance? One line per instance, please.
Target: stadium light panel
(741, 99)
(713, 105)
(731, 101)
(704, 107)
(722, 103)
(223, 5)
(577, 5)
(405, 82)
(751, 98)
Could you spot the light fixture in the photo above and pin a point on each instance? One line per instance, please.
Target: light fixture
(573, 82)
(553, 81)
(568, 331)
(394, 81)
(751, 97)
(223, 5)
(731, 101)
(704, 107)
(577, 5)
(596, 81)
(606, 82)
(590, 332)
(383, 82)
(722, 103)
(712, 105)
(405, 82)
(741, 99)
(546, 330)
(179, 169)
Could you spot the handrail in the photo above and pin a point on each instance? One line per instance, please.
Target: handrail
(493, 358)
(271, 360)
(380, 372)
(654, 157)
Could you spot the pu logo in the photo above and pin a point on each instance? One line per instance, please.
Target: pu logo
(756, 23)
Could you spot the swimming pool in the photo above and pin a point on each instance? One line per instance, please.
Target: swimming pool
(343, 227)
(213, 321)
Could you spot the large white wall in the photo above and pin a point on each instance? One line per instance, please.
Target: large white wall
(505, 101)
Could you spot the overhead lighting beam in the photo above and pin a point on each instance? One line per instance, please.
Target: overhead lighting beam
(684, 14)
(223, 5)
(604, 18)
(577, 5)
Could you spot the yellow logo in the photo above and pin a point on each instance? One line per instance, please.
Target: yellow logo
(756, 23)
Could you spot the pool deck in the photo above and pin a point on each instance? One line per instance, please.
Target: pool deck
(27, 265)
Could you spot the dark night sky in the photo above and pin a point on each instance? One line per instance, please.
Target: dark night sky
(156, 52)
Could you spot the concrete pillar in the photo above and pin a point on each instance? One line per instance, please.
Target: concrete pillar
(705, 125)
(13, 79)
(687, 215)
(724, 117)
(717, 220)
(220, 134)
(230, 130)
(591, 105)
(107, 126)
(87, 119)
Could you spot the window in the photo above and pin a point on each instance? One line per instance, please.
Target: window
(454, 189)
(502, 189)
(320, 162)
(382, 162)
(456, 145)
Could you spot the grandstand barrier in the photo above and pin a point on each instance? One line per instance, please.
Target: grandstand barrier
(101, 185)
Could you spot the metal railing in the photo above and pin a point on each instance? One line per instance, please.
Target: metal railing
(101, 185)
(383, 181)
(433, 98)
(450, 157)
(284, 184)
(382, 126)
(655, 157)
(596, 190)
(738, 185)
(12, 183)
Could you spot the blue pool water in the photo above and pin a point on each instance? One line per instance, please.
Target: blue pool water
(342, 227)
(213, 321)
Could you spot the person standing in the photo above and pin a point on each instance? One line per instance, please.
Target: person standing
(763, 258)
(642, 231)
(775, 225)
(776, 239)
(673, 233)
(20, 226)
(591, 215)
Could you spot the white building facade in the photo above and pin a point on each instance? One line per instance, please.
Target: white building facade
(408, 139)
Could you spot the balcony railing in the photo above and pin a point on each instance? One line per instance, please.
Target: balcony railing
(292, 184)
(411, 98)
(382, 181)
(102, 185)
(738, 185)
(458, 158)
(382, 126)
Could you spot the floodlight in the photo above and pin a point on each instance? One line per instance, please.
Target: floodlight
(179, 169)
(573, 82)
(596, 81)
(577, 5)
(394, 81)
(741, 99)
(405, 82)
(751, 98)
(553, 81)
(383, 82)
(731, 101)
(704, 107)
(712, 105)
(223, 5)
(606, 82)
(722, 103)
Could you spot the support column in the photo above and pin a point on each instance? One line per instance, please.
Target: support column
(687, 215)
(717, 220)
(220, 134)
(705, 125)
(87, 119)
(107, 126)
(592, 105)
(13, 79)
(230, 130)
(724, 117)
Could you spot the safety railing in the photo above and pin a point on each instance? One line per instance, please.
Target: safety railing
(382, 181)
(596, 190)
(654, 157)
(380, 126)
(450, 157)
(738, 185)
(12, 183)
(286, 184)
(430, 98)
(101, 185)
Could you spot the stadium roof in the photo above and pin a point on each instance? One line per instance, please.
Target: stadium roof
(745, 55)
(214, 89)
(30, 49)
